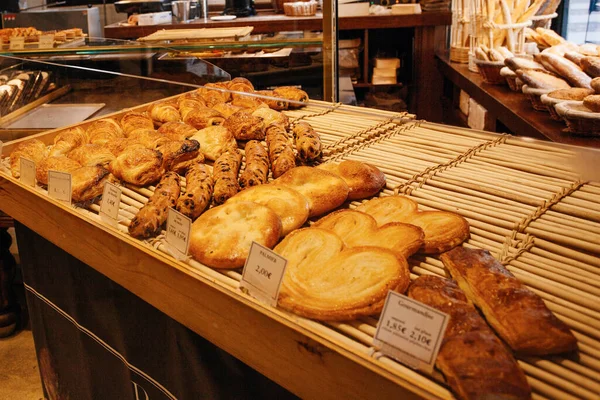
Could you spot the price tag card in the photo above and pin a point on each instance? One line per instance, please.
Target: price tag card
(109, 207)
(410, 331)
(46, 41)
(179, 228)
(27, 171)
(263, 274)
(59, 185)
(17, 43)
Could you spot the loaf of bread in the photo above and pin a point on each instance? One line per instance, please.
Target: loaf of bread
(596, 85)
(591, 66)
(570, 94)
(592, 102)
(568, 70)
(541, 79)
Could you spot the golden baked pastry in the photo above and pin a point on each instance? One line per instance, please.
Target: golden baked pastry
(116, 146)
(281, 153)
(288, 204)
(273, 103)
(248, 103)
(194, 96)
(134, 120)
(148, 138)
(176, 153)
(297, 97)
(364, 180)
(104, 130)
(221, 237)
(357, 228)
(308, 142)
(324, 281)
(591, 66)
(324, 190)
(67, 140)
(138, 165)
(272, 117)
(443, 230)
(240, 84)
(256, 170)
(163, 112)
(91, 154)
(226, 109)
(87, 182)
(517, 314)
(177, 130)
(60, 163)
(185, 105)
(33, 149)
(541, 79)
(476, 364)
(214, 93)
(201, 118)
(571, 94)
(595, 84)
(245, 126)
(592, 102)
(198, 191)
(214, 141)
(389, 209)
(225, 175)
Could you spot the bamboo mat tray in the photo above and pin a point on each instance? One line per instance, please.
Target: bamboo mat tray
(523, 204)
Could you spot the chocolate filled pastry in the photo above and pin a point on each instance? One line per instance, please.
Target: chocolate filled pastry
(257, 165)
(356, 229)
(221, 237)
(214, 93)
(389, 209)
(281, 153)
(443, 230)
(201, 118)
(60, 163)
(135, 120)
(91, 154)
(87, 182)
(163, 112)
(517, 314)
(152, 216)
(287, 203)
(67, 140)
(138, 165)
(324, 190)
(225, 173)
(214, 140)
(272, 117)
(308, 142)
(297, 97)
(33, 149)
(476, 364)
(245, 126)
(227, 109)
(325, 281)
(198, 191)
(177, 130)
(273, 102)
(148, 138)
(104, 130)
(176, 152)
(364, 180)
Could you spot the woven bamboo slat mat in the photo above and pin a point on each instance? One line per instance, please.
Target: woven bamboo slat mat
(523, 204)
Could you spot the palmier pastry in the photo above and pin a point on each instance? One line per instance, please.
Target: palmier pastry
(281, 153)
(198, 191)
(443, 230)
(152, 216)
(308, 142)
(225, 172)
(288, 204)
(324, 190)
(389, 209)
(138, 165)
(134, 120)
(67, 140)
(271, 100)
(297, 97)
(91, 154)
(87, 182)
(272, 117)
(245, 126)
(364, 180)
(475, 362)
(517, 314)
(163, 112)
(257, 165)
(60, 163)
(33, 149)
(221, 237)
(214, 93)
(201, 118)
(148, 138)
(214, 141)
(226, 109)
(104, 130)
(356, 228)
(175, 152)
(177, 130)
(324, 281)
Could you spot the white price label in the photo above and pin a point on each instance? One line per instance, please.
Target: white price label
(46, 41)
(179, 228)
(410, 331)
(59, 186)
(109, 207)
(17, 43)
(263, 274)
(27, 171)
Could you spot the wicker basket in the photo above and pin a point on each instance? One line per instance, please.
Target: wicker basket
(490, 71)
(533, 94)
(511, 78)
(459, 54)
(580, 120)
(550, 103)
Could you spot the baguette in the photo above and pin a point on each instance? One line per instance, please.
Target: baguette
(575, 57)
(475, 362)
(596, 85)
(225, 172)
(517, 314)
(568, 70)
(531, 11)
(591, 66)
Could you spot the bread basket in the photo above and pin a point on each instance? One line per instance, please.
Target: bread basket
(550, 103)
(490, 71)
(580, 120)
(300, 8)
(534, 94)
(511, 79)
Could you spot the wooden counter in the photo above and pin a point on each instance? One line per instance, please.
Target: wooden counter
(510, 108)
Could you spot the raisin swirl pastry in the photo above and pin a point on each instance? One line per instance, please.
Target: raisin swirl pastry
(198, 191)
(225, 172)
(308, 142)
(257, 165)
(273, 102)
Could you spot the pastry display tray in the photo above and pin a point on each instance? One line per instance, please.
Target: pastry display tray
(48, 116)
(521, 198)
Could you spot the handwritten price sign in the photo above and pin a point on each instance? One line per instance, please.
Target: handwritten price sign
(263, 274)
(109, 207)
(178, 233)
(59, 185)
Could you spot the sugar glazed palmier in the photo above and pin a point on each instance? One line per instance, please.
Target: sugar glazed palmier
(138, 165)
(104, 130)
(308, 142)
(225, 175)
(389, 209)
(198, 191)
(281, 153)
(245, 126)
(443, 230)
(257, 165)
(152, 216)
(135, 120)
(33, 149)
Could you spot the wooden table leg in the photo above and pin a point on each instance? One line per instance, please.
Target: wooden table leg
(8, 309)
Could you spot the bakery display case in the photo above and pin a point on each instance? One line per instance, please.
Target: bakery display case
(517, 209)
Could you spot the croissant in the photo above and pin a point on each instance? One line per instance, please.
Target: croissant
(91, 154)
(275, 104)
(240, 84)
(33, 149)
(281, 153)
(214, 93)
(67, 140)
(200, 118)
(177, 130)
(153, 215)
(294, 95)
(272, 117)
(116, 146)
(178, 151)
(87, 182)
(245, 126)
(134, 120)
(308, 142)
(104, 130)
(137, 165)
(148, 138)
(226, 109)
(198, 191)
(187, 105)
(193, 96)
(225, 173)
(257, 165)
(163, 112)
(251, 103)
(60, 163)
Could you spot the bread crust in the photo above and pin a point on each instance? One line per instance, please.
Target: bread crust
(363, 179)
(389, 209)
(443, 230)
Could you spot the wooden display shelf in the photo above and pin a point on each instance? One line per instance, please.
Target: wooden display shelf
(511, 108)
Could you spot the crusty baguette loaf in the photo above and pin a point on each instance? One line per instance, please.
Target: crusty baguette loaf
(591, 66)
(541, 79)
(592, 102)
(568, 70)
(517, 314)
(596, 85)
(575, 57)
(476, 364)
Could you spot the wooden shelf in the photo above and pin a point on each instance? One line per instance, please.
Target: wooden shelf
(370, 85)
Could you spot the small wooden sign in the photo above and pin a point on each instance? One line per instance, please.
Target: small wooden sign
(27, 171)
(179, 228)
(263, 274)
(59, 185)
(17, 43)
